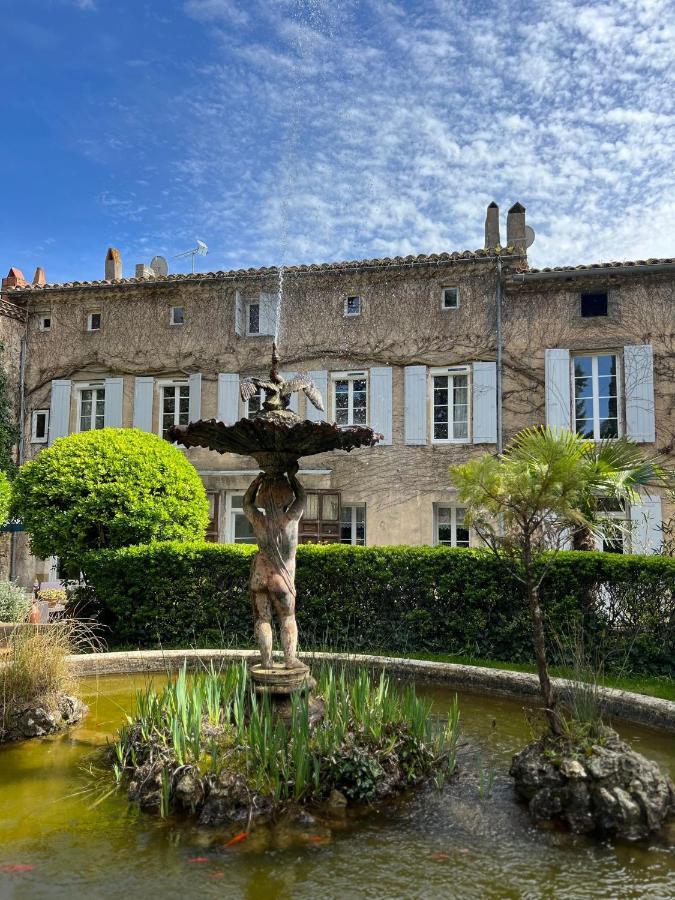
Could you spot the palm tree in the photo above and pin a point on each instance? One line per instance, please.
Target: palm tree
(524, 503)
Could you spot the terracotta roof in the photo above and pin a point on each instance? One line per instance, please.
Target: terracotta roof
(603, 265)
(233, 274)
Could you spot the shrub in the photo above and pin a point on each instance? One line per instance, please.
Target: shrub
(108, 488)
(14, 603)
(5, 497)
(398, 599)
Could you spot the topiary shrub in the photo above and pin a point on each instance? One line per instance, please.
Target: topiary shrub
(14, 604)
(108, 488)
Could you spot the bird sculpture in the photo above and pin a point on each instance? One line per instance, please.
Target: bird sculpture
(278, 391)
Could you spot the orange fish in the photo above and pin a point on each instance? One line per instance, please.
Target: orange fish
(199, 859)
(10, 868)
(237, 839)
(440, 857)
(317, 839)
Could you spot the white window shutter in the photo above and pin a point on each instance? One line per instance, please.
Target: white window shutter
(485, 403)
(320, 379)
(268, 313)
(144, 392)
(195, 402)
(381, 402)
(239, 314)
(59, 410)
(415, 404)
(114, 396)
(638, 367)
(646, 522)
(558, 393)
(294, 405)
(228, 397)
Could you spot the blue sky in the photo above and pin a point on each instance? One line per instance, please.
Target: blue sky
(312, 130)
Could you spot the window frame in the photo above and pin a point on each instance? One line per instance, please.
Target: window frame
(162, 384)
(81, 386)
(351, 376)
(249, 304)
(594, 355)
(90, 320)
(583, 294)
(41, 322)
(172, 317)
(354, 508)
(453, 507)
(231, 511)
(450, 287)
(247, 410)
(34, 439)
(451, 371)
(353, 315)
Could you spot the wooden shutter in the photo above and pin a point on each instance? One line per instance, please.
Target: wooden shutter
(144, 391)
(485, 403)
(228, 397)
(638, 367)
(294, 405)
(195, 403)
(59, 411)
(558, 395)
(381, 402)
(415, 404)
(239, 314)
(320, 379)
(268, 313)
(114, 395)
(646, 522)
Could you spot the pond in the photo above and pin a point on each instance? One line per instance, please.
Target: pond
(472, 839)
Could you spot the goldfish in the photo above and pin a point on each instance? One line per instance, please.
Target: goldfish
(237, 839)
(199, 859)
(10, 868)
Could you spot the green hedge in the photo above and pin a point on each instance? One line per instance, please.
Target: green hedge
(400, 599)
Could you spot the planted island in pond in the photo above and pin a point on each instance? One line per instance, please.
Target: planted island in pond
(212, 747)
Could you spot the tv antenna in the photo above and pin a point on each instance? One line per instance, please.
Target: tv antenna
(200, 250)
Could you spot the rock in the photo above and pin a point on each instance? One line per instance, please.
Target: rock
(38, 720)
(337, 799)
(228, 799)
(188, 791)
(606, 787)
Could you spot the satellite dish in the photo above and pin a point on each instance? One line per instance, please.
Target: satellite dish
(202, 249)
(529, 236)
(159, 265)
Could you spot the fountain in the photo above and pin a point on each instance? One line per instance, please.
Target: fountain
(274, 503)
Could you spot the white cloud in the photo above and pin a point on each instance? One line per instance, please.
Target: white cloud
(220, 11)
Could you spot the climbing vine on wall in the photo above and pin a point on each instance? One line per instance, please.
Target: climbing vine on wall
(9, 430)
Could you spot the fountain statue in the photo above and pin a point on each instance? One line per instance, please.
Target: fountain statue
(274, 503)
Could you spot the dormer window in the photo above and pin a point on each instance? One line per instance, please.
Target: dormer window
(353, 306)
(94, 321)
(450, 298)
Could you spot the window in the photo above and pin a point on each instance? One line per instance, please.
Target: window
(94, 321)
(253, 318)
(593, 305)
(175, 405)
(240, 527)
(39, 432)
(350, 395)
(596, 408)
(450, 404)
(353, 306)
(177, 315)
(254, 404)
(45, 322)
(321, 520)
(450, 529)
(353, 525)
(212, 532)
(91, 408)
(450, 298)
(613, 540)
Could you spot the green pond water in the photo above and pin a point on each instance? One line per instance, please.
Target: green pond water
(472, 839)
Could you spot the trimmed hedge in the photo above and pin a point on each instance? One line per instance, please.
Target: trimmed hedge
(402, 599)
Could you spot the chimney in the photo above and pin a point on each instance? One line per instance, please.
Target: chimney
(113, 264)
(143, 270)
(492, 227)
(39, 279)
(14, 278)
(515, 229)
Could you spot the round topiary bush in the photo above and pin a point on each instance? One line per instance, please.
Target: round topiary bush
(108, 488)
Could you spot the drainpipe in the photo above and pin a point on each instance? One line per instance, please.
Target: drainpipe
(499, 292)
(20, 446)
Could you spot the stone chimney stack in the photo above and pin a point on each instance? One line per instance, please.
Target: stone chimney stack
(515, 228)
(39, 279)
(492, 227)
(14, 278)
(113, 264)
(143, 270)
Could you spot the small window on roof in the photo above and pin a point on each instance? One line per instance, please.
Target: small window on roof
(450, 298)
(594, 304)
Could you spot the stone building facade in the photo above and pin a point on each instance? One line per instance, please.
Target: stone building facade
(447, 355)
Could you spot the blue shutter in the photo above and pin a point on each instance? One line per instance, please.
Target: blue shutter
(558, 395)
(320, 379)
(381, 402)
(415, 404)
(144, 391)
(59, 411)
(195, 402)
(646, 525)
(228, 397)
(638, 367)
(114, 396)
(485, 403)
